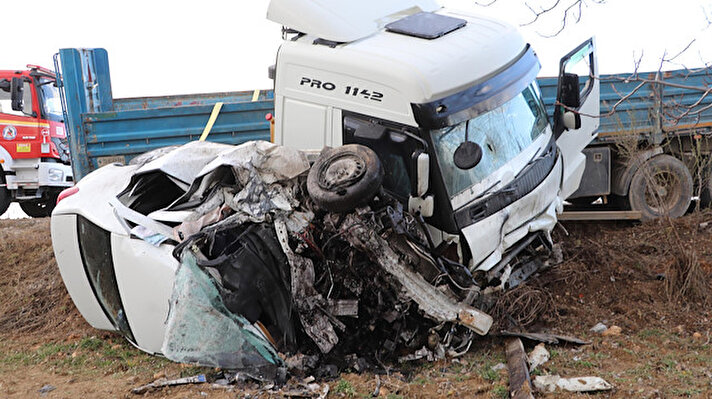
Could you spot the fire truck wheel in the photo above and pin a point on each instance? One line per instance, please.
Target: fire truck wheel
(345, 177)
(662, 186)
(4, 194)
(4, 200)
(38, 208)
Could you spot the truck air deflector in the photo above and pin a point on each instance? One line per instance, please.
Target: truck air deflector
(426, 25)
(480, 98)
(528, 180)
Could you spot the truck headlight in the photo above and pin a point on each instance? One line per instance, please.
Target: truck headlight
(55, 175)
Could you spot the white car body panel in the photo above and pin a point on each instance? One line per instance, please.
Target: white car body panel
(145, 276)
(66, 250)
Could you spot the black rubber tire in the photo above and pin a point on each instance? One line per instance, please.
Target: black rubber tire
(662, 186)
(5, 199)
(38, 208)
(345, 177)
(706, 189)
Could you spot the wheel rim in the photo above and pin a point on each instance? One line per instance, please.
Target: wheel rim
(663, 189)
(341, 171)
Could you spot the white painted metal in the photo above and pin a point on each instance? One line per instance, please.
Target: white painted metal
(572, 142)
(343, 20)
(66, 250)
(404, 69)
(145, 276)
(536, 211)
(423, 170)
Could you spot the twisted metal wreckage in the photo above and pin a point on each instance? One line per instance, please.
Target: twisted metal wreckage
(317, 261)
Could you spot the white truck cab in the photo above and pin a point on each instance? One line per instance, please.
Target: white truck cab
(449, 102)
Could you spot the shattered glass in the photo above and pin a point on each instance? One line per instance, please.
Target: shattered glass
(201, 330)
(502, 133)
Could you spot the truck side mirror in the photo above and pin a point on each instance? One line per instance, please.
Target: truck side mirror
(467, 155)
(570, 93)
(16, 94)
(421, 180)
(572, 120)
(5, 85)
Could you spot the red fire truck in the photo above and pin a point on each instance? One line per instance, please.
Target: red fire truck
(34, 155)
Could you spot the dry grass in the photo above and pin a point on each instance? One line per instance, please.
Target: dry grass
(33, 298)
(523, 306)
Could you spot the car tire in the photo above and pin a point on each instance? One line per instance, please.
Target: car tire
(662, 186)
(39, 208)
(345, 177)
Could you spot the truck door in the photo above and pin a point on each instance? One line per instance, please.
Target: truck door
(18, 121)
(576, 115)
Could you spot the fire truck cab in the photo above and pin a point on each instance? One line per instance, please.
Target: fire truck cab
(34, 155)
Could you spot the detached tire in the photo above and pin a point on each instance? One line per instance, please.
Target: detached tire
(662, 186)
(345, 177)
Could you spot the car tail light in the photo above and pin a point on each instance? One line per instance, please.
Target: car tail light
(67, 193)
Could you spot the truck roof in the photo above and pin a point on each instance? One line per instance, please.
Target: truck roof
(341, 20)
(405, 68)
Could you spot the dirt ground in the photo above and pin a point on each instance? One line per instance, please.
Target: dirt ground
(621, 274)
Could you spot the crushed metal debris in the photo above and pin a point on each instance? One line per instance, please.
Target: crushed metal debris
(303, 267)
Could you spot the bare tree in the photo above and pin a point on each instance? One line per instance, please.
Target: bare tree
(570, 10)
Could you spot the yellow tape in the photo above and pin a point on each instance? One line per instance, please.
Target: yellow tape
(255, 95)
(211, 121)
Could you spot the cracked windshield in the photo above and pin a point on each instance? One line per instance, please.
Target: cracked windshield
(502, 133)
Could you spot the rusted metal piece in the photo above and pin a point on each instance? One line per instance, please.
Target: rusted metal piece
(520, 383)
(430, 300)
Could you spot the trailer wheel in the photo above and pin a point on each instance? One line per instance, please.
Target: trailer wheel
(706, 188)
(39, 208)
(662, 186)
(344, 177)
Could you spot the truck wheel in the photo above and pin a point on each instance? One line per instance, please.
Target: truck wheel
(4, 194)
(38, 208)
(662, 186)
(4, 198)
(344, 177)
(706, 189)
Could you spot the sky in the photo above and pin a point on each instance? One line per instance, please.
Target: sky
(159, 47)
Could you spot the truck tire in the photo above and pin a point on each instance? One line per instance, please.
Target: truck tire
(344, 177)
(706, 188)
(662, 186)
(39, 208)
(4, 197)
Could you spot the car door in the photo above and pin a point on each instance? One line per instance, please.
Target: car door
(576, 115)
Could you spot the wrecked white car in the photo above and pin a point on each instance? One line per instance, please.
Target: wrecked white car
(387, 242)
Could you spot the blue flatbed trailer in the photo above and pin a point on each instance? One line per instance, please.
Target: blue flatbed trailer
(656, 124)
(104, 130)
